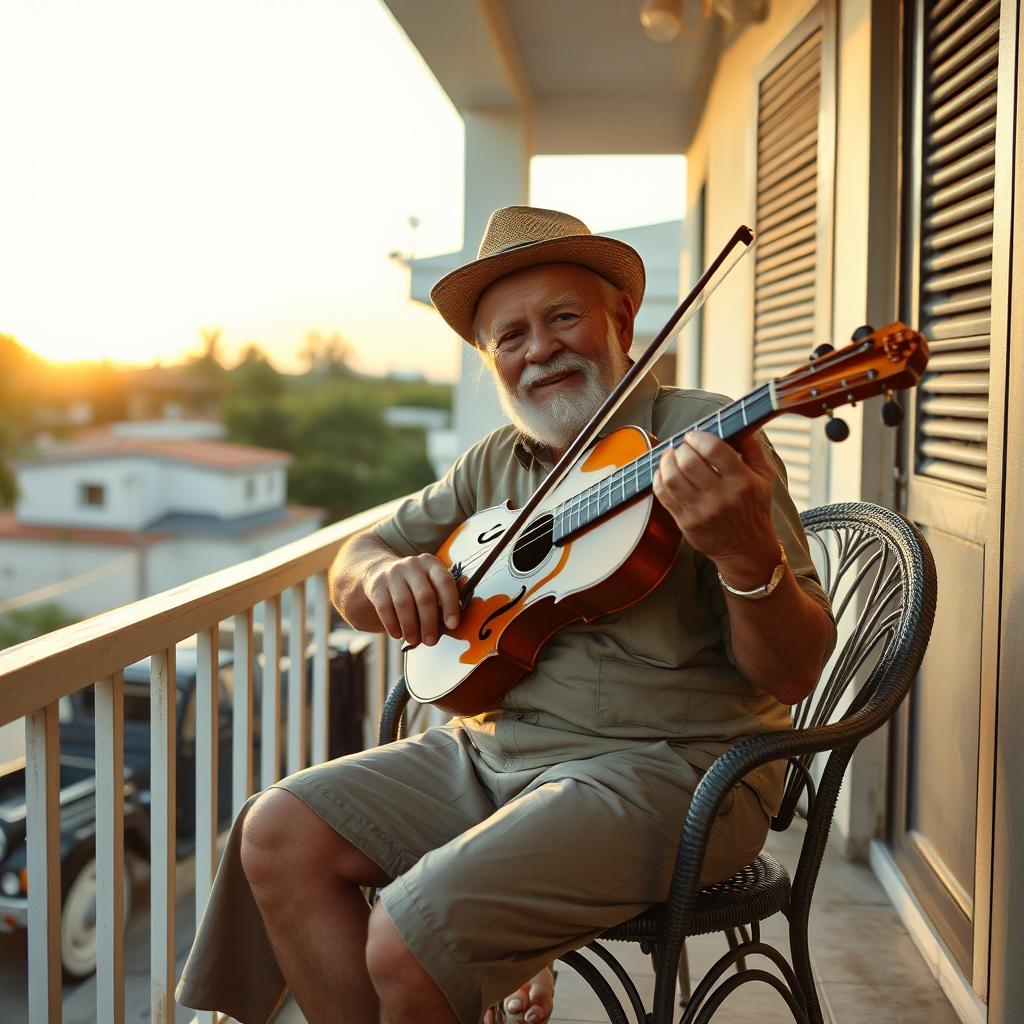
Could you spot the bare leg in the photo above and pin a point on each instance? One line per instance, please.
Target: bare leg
(305, 879)
(406, 991)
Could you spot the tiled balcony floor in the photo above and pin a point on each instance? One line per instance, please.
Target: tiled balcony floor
(868, 970)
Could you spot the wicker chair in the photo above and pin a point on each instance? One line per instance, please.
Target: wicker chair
(879, 574)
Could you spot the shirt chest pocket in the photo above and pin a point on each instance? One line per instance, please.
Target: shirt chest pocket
(634, 693)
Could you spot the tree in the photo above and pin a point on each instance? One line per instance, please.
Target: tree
(255, 376)
(255, 409)
(348, 457)
(209, 363)
(329, 356)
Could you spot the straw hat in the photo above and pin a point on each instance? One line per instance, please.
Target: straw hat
(523, 236)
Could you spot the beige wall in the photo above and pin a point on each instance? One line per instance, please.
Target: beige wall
(722, 156)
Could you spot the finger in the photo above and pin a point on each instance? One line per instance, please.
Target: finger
(447, 592)
(405, 607)
(426, 605)
(697, 469)
(753, 453)
(715, 452)
(674, 480)
(380, 598)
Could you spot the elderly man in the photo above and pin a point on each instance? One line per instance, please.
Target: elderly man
(502, 840)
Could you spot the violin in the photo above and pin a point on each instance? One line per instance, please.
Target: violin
(599, 541)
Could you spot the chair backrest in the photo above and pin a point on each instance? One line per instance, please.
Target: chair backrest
(880, 577)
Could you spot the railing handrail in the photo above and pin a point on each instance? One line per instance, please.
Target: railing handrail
(37, 672)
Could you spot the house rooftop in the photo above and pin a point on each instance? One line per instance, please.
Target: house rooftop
(197, 451)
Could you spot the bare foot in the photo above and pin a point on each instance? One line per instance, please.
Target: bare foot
(531, 1002)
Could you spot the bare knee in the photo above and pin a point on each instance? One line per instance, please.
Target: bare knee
(285, 844)
(396, 974)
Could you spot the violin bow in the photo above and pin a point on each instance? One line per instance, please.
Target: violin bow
(717, 271)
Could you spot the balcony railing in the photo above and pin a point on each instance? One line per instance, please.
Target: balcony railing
(34, 676)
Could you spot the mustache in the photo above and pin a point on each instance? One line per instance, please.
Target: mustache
(563, 362)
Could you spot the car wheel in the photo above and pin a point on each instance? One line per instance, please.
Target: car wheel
(78, 920)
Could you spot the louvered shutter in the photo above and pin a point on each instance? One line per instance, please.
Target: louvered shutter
(957, 196)
(787, 252)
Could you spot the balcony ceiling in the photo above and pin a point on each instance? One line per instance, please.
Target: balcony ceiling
(582, 72)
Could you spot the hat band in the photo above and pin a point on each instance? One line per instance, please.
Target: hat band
(519, 245)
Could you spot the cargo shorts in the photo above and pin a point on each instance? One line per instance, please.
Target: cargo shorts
(494, 873)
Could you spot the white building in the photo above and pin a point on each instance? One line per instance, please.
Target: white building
(116, 518)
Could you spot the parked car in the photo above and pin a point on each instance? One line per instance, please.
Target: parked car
(347, 682)
(78, 734)
(77, 856)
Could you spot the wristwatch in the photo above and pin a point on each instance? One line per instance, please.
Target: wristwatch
(766, 589)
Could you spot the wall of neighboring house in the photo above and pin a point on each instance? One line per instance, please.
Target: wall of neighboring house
(722, 174)
(105, 575)
(53, 493)
(136, 491)
(226, 494)
(180, 559)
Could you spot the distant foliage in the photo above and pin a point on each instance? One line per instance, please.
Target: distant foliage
(23, 624)
(347, 457)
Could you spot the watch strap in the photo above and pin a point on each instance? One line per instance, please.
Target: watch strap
(766, 589)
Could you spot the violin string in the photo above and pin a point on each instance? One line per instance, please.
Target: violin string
(598, 492)
(603, 489)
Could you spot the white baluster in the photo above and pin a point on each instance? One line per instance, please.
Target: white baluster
(42, 800)
(321, 614)
(297, 703)
(207, 734)
(110, 877)
(270, 711)
(242, 725)
(163, 826)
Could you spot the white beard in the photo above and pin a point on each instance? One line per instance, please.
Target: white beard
(558, 420)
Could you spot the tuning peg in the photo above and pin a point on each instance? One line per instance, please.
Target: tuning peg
(892, 411)
(862, 332)
(836, 429)
(823, 349)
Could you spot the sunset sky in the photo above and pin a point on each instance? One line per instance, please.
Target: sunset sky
(247, 167)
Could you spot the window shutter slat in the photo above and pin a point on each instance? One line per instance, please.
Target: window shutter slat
(786, 257)
(958, 197)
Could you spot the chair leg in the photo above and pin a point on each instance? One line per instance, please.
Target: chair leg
(684, 978)
(800, 954)
(734, 937)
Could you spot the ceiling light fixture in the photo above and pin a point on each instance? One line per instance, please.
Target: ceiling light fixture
(662, 19)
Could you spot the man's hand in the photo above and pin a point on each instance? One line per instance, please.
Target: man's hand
(721, 499)
(411, 595)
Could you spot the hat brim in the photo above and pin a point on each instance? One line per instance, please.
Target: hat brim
(456, 295)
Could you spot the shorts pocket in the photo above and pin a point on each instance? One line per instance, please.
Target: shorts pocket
(634, 693)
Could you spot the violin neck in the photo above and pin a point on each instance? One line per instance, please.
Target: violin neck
(633, 480)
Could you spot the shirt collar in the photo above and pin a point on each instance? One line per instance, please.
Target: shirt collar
(636, 410)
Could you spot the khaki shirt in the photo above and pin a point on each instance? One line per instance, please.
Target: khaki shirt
(662, 669)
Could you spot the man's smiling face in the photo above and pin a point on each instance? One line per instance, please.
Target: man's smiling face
(556, 336)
